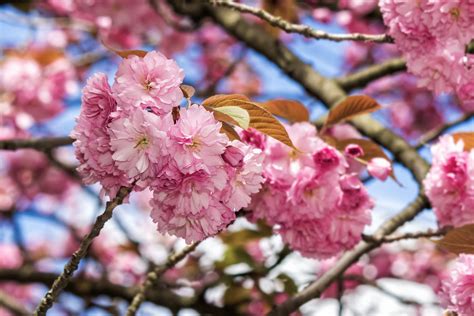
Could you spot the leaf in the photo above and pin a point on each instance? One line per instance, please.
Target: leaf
(188, 91)
(126, 53)
(467, 138)
(459, 240)
(235, 295)
(221, 117)
(240, 115)
(217, 99)
(291, 110)
(260, 119)
(350, 107)
(371, 150)
(242, 237)
(229, 131)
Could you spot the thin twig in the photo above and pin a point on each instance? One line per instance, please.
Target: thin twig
(363, 280)
(13, 306)
(416, 235)
(73, 263)
(432, 135)
(153, 276)
(44, 143)
(363, 77)
(302, 29)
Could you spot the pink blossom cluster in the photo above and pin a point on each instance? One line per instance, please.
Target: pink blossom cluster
(318, 207)
(433, 36)
(413, 110)
(457, 292)
(450, 183)
(127, 135)
(116, 22)
(33, 86)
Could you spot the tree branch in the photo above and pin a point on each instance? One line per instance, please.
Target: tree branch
(363, 77)
(363, 280)
(73, 263)
(153, 277)
(416, 235)
(44, 143)
(301, 29)
(315, 289)
(85, 287)
(12, 305)
(432, 135)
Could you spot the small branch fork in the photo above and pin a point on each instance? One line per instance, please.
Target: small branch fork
(153, 276)
(302, 29)
(71, 266)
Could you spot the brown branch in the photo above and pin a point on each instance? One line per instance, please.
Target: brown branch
(73, 263)
(363, 77)
(301, 29)
(12, 305)
(416, 235)
(432, 135)
(86, 287)
(363, 280)
(44, 143)
(315, 289)
(153, 277)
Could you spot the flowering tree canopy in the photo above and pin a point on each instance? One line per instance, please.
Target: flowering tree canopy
(222, 157)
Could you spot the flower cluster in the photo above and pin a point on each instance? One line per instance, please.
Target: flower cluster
(127, 135)
(433, 36)
(33, 85)
(450, 183)
(318, 207)
(457, 292)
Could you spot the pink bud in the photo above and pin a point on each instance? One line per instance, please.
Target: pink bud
(353, 150)
(233, 156)
(379, 168)
(326, 158)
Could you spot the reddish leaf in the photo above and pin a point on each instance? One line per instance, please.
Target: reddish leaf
(467, 138)
(229, 131)
(459, 240)
(188, 91)
(350, 107)
(221, 117)
(260, 119)
(126, 53)
(291, 110)
(215, 100)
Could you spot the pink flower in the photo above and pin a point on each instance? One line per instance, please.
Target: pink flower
(458, 289)
(245, 179)
(449, 184)
(195, 142)
(353, 150)
(379, 168)
(11, 256)
(192, 227)
(149, 82)
(97, 100)
(233, 156)
(138, 142)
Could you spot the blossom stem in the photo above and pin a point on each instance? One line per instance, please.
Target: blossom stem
(72, 265)
(154, 275)
(44, 143)
(301, 29)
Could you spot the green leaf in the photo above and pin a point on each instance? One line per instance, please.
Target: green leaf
(240, 115)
